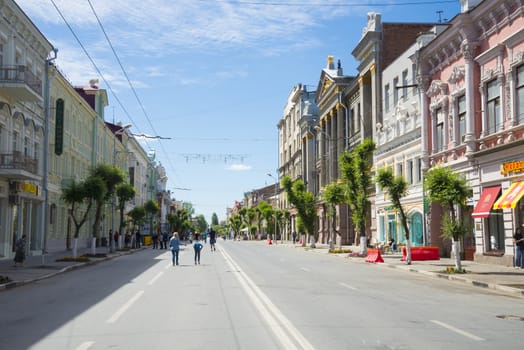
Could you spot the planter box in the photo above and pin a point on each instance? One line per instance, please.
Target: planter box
(422, 253)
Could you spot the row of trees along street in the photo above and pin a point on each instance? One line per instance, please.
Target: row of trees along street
(442, 186)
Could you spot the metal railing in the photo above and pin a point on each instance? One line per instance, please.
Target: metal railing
(20, 74)
(17, 160)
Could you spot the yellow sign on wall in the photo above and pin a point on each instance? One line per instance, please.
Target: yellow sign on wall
(512, 167)
(29, 188)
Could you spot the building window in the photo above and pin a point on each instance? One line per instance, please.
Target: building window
(400, 170)
(395, 91)
(15, 141)
(386, 97)
(439, 132)
(26, 146)
(414, 78)
(409, 171)
(461, 104)
(493, 107)
(520, 94)
(405, 85)
(418, 170)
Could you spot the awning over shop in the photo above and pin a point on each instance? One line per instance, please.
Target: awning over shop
(487, 198)
(511, 196)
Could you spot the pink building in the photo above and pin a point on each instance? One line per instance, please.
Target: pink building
(471, 79)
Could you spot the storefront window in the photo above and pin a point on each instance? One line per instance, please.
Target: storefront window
(495, 232)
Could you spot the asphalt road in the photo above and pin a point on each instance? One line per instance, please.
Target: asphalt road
(249, 295)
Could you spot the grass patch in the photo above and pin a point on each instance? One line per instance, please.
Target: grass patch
(4, 279)
(451, 270)
(82, 258)
(124, 249)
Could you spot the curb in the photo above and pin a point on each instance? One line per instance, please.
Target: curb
(14, 284)
(514, 291)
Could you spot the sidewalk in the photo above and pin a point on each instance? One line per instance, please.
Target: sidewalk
(35, 268)
(500, 278)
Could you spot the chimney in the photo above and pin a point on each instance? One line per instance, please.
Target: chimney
(468, 4)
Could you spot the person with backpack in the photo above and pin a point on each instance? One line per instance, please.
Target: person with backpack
(212, 239)
(197, 246)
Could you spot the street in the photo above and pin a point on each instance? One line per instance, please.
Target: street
(249, 295)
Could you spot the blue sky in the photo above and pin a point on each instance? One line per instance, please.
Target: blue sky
(212, 75)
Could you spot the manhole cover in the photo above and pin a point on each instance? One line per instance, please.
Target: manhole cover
(511, 317)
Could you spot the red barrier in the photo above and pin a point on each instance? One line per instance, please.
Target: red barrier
(374, 256)
(270, 242)
(422, 253)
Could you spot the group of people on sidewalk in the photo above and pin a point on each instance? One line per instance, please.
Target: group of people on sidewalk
(174, 245)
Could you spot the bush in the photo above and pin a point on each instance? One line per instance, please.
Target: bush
(340, 250)
(452, 270)
(82, 258)
(4, 279)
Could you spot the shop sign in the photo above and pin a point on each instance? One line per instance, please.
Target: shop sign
(512, 167)
(29, 188)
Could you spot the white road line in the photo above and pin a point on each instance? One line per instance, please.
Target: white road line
(157, 276)
(459, 331)
(347, 286)
(279, 324)
(304, 269)
(124, 307)
(85, 345)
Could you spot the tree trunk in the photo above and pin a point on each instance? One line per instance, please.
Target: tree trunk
(93, 246)
(408, 251)
(406, 231)
(363, 245)
(456, 251)
(75, 248)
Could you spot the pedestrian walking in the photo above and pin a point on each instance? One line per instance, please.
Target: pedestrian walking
(20, 251)
(212, 239)
(115, 237)
(165, 239)
(294, 237)
(518, 239)
(197, 246)
(138, 238)
(174, 245)
(155, 240)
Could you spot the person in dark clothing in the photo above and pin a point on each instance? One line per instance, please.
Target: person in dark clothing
(20, 251)
(138, 238)
(518, 239)
(197, 246)
(165, 239)
(212, 239)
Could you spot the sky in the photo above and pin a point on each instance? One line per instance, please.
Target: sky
(211, 77)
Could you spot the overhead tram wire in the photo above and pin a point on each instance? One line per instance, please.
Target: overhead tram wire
(354, 4)
(133, 89)
(105, 80)
(131, 86)
(92, 62)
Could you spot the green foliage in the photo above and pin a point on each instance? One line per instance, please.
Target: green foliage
(397, 188)
(124, 192)
(214, 219)
(201, 223)
(137, 215)
(179, 221)
(356, 171)
(235, 222)
(453, 229)
(333, 195)
(304, 202)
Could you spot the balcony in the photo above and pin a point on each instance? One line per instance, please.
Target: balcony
(20, 83)
(18, 166)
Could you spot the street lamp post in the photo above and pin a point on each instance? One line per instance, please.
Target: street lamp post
(120, 131)
(276, 202)
(45, 180)
(329, 165)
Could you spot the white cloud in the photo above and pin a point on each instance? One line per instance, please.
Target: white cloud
(239, 167)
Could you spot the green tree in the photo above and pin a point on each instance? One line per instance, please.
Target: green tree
(305, 203)
(267, 213)
(201, 223)
(334, 194)
(112, 177)
(214, 219)
(235, 223)
(124, 192)
(76, 195)
(137, 215)
(356, 172)
(151, 207)
(451, 190)
(179, 222)
(397, 188)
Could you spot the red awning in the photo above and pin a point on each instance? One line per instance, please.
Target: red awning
(487, 198)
